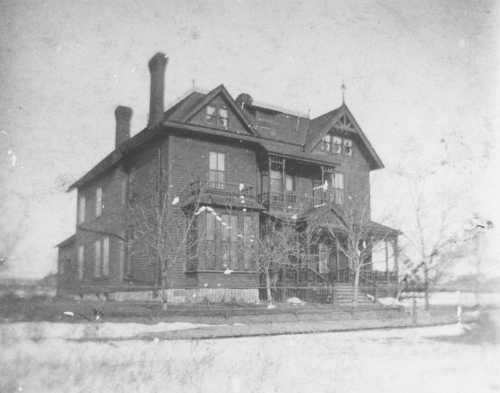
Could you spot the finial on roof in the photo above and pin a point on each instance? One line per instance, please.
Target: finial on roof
(193, 81)
(343, 87)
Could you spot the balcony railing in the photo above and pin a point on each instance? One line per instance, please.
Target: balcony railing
(321, 196)
(281, 200)
(223, 188)
(289, 201)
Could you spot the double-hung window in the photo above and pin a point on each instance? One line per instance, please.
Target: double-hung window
(217, 115)
(348, 147)
(337, 187)
(101, 257)
(229, 245)
(336, 145)
(98, 201)
(81, 209)
(81, 261)
(326, 143)
(216, 174)
(323, 252)
(223, 118)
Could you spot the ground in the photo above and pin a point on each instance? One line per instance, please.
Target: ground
(432, 359)
(134, 347)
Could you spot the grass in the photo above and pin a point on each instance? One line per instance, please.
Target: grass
(408, 360)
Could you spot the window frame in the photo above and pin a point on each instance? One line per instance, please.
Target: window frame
(337, 186)
(225, 243)
(347, 146)
(98, 202)
(336, 144)
(217, 176)
(80, 257)
(218, 115)
(82, 205)
(323, 256)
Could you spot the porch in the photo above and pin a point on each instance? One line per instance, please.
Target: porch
(312, 271)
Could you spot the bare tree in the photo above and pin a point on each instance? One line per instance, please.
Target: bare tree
(430, 234)
(349, 225)
(161, 221)
(278, 248)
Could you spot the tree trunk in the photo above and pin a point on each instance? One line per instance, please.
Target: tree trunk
(357, 272)
(163, 278)
(268, 287)
(426, 286)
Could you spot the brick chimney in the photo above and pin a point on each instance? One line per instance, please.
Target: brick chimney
(123, 114)
(157, 66)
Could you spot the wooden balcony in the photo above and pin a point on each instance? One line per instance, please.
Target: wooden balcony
(288, 201)
(241, 191)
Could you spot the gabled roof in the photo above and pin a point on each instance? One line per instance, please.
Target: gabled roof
(321, 125)
(188, 114)
(277, 132)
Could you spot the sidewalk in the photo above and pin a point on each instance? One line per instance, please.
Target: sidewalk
(231, 328)
(302, 327)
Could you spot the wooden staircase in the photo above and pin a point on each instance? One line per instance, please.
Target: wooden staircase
(343, 295)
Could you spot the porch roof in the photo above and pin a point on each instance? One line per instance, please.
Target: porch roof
(336, 221)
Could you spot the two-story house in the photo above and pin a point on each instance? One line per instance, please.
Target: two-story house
(234, 165)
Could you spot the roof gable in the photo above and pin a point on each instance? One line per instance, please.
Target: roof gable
(239, 121)
(340, 118)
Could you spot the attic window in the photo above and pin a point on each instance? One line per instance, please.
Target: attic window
(223, 115)
(331, 144)
(336, 145)
(219, 116)
(210, 112)
(347, 147)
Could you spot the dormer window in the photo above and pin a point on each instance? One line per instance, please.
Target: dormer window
(218, 116)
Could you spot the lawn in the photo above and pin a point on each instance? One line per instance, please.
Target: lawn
(433, 359)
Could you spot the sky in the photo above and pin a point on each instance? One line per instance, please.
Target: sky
(422, 80)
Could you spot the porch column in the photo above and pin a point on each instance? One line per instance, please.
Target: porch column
(283, 184)
(386, 260)
(269, 198)
(396, 255)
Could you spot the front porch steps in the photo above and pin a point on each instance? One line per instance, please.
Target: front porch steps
(343, 295)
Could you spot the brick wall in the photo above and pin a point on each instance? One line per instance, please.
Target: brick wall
(109, 224)
(356, 170)
(67, 268)
(189, 162)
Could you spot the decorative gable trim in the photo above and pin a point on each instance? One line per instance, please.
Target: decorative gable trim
(220, 90)
(349, 124)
